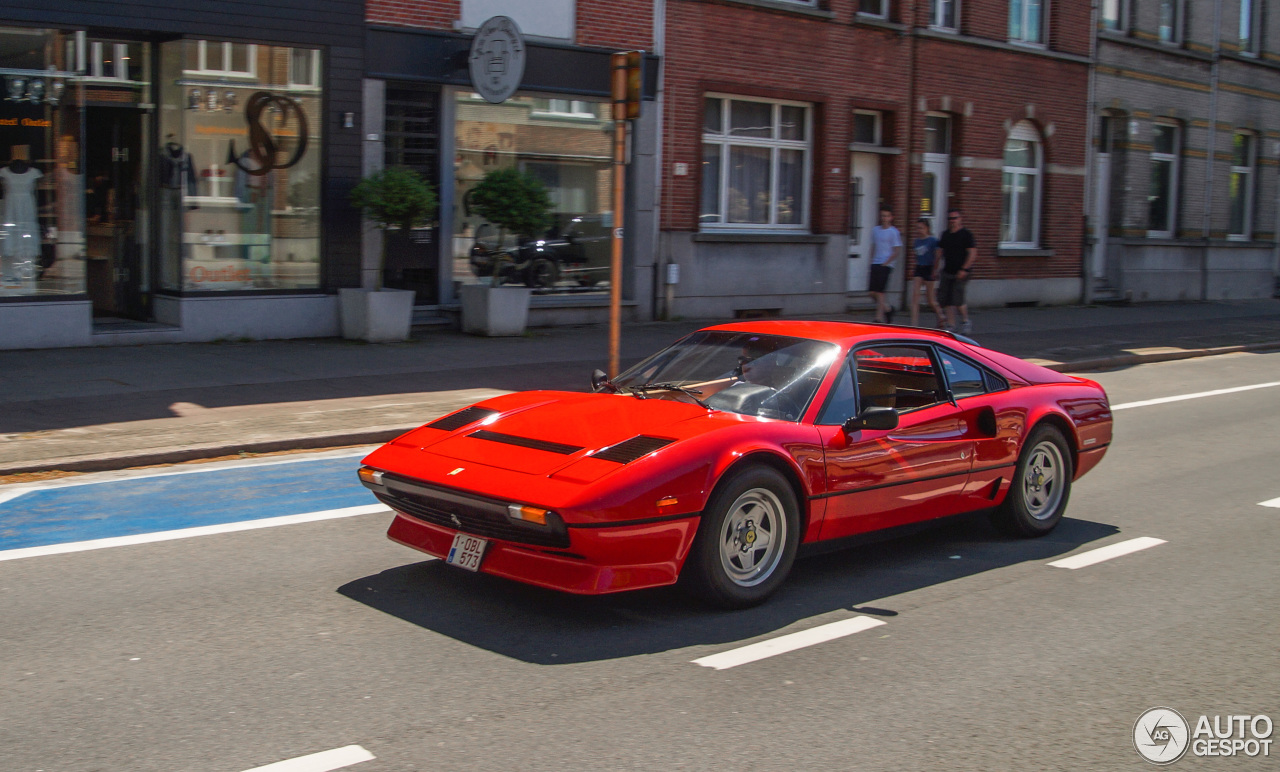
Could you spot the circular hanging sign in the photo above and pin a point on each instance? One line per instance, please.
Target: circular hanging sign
(497, 59)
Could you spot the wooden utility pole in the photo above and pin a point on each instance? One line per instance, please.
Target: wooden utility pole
(626, 107)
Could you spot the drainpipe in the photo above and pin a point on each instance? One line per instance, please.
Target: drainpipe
(908, 216)
(660, 289)
(1091, 164)
(1212, 146)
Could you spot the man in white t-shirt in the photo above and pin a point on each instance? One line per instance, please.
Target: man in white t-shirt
(886, 248)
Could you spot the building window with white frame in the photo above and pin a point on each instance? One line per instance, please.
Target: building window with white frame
(1113, 15)
(223, 59)
(1170, 21)
(1162, 191)
(1241, 185)
(878, 9)
(1026, 21)
(755, 164)
(304, 67)
(867, 127)
(1021, 186)
(566, 108)
(945, 15)
(1250, 26)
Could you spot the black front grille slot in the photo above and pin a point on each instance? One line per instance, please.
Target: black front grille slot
(469, 515)
(629, 450)
(525, 442)
(461, 418)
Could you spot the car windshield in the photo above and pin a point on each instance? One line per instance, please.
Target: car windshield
(771, 376)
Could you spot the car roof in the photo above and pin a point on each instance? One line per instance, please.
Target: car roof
(844, 333)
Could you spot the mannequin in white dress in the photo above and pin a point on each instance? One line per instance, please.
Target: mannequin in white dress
(18, 222)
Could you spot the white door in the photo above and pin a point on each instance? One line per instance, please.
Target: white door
(864, 206)
(1101, 215)
(935, 183)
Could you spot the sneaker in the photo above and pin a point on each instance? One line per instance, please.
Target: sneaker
(889, 316)
(966, 327)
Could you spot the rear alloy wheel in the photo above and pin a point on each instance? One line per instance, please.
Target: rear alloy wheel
(1041, 486)
(747, 540)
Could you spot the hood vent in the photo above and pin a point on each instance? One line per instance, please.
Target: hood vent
(629, 450)
(461, 418)
(525, 442)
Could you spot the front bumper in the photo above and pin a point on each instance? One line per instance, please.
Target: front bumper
(597, 560)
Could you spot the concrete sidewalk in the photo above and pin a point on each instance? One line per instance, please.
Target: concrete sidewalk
(112, 408)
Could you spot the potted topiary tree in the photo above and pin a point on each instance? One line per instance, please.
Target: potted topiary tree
(516, 202)
(392, 198)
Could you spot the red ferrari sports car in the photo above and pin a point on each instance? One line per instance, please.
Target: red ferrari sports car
(712, 461)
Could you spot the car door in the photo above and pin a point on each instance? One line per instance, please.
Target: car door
(993, 421)
(877, 478)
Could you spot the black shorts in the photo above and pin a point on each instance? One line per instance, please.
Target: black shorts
(924, 272)
(880, 277)
(951, 289)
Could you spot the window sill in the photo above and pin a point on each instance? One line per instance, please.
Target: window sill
(748, 237)
(859, 147)
(879, 22)
(800, 9)
(1024, 252)
(934, 33)
(1125, 39)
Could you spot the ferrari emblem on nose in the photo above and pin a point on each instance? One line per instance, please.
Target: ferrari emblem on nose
(459, 469)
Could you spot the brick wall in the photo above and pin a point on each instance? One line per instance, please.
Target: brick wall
(435, 14)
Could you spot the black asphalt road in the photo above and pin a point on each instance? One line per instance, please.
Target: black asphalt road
(223, 653)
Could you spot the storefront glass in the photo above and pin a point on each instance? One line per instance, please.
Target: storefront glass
(565, 144)
(41, 182)
(239, 166)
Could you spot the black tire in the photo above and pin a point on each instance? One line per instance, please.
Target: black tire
(542, 273)
(755, 492)
(1041, 485)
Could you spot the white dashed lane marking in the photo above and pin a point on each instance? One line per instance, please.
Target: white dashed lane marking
(1107, 553)
(324, 761)
(1197, 395)
(786, 643)
(1272, 503)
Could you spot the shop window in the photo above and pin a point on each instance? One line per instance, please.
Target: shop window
(1163, 185)
(239, 209)
(110, 60)
(756, 157)
(1020, 187)
(42, 181)
(566, 147)
(1026, 21)
(209, 57)
(867, 127)
(1113, 15)
(1241, 185)
(945, 15)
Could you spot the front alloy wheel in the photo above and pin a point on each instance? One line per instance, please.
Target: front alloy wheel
(747, 539)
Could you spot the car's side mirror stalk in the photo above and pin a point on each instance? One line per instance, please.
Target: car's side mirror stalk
(881, 418)
(600, 381)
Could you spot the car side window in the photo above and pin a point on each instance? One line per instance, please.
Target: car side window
(901, 377)
(842, 404)
(966, 379)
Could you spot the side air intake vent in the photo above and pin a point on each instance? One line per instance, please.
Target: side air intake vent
(629, 450)
(461, 418)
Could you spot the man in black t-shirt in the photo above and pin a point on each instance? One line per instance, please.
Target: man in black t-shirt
(959, 250)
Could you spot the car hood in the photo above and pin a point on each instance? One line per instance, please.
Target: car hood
(539, 433)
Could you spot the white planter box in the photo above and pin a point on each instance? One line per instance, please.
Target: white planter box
(495, 311)
(377, 316)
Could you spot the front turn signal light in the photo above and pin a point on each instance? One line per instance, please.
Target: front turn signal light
(527, 514)
(370, 476)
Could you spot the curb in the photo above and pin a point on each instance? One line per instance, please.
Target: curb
(383, 434)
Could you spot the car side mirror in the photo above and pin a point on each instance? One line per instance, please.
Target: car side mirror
(601, 381)
(883, 418)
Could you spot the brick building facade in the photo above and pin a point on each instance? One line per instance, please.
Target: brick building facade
(1186, 110)
(913, 104)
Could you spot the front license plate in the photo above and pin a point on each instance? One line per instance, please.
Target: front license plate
(466, 552)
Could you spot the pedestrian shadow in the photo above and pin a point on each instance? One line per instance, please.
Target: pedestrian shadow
(545, 627)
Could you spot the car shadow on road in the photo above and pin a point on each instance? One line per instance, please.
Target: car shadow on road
(552, 628)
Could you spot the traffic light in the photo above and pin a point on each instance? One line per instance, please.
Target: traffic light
(628, 79)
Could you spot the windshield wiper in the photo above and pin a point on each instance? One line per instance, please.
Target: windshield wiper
(694, 394)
